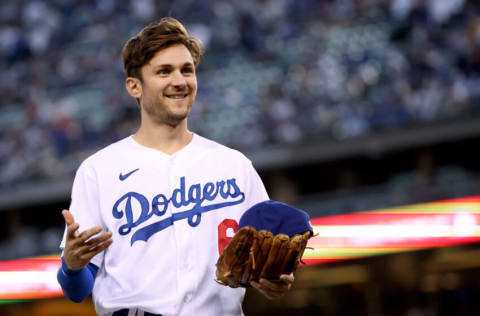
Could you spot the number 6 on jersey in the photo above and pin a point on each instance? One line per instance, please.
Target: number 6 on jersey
(223, 227)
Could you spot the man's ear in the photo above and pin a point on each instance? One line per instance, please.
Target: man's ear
(134, 87)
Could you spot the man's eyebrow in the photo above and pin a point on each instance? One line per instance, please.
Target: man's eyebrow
(189, 64)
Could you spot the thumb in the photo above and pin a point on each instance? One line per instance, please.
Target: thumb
(68, 217)
(287, 278)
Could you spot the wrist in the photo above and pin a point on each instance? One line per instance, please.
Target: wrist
(66, 270)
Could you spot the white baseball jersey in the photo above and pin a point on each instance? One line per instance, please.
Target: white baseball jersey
(170, 216)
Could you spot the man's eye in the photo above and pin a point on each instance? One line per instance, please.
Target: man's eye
(163, 72)
(188, 70)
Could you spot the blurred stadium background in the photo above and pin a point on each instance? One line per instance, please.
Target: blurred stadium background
(342, 105)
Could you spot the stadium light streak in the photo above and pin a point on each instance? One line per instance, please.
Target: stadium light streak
(390, 231)
(393, 230)
(29, 278)
(19, 281)
(340, 237)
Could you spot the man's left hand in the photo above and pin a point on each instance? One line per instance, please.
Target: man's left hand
(274, 290)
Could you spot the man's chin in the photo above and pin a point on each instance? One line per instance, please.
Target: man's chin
(174, 119)
(167, 116)
(174, 122)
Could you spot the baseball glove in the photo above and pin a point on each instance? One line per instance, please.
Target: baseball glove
(253, 254)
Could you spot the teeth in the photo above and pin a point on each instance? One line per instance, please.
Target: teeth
(177, 96)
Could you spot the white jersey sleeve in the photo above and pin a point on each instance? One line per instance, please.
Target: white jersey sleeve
(84, 204)
(255, 190)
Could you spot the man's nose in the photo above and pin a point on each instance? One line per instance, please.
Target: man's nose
(178, 80)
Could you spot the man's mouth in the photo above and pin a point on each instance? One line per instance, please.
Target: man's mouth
(177, 96)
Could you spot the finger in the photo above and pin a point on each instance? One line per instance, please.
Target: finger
(275, 286)
(72, 227)
(87, 234)
(99, 239)
(287, 278)
(96, 250)
(90, 252)
(72, 231)
(68, 217)
(93, 243)
(80, 238)
(265, 292)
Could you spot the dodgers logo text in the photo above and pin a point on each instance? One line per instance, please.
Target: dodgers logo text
(195, 195)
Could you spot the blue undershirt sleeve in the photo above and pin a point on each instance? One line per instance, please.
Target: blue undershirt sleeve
(77, 284)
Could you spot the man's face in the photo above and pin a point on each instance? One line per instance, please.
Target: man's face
(169, 85)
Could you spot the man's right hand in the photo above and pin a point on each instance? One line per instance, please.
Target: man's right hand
(80, 248)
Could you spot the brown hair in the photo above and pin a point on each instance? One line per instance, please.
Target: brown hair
(139, 50)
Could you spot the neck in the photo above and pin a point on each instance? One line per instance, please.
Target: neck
(165, 138)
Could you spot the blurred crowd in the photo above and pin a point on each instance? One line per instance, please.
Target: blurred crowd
(276, 72)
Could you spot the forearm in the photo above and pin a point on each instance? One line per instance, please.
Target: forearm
(76, 284)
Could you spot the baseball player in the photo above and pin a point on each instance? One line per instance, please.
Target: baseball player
(151, 213)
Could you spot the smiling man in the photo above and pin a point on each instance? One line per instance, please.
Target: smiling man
(149, 214)
(167, 86)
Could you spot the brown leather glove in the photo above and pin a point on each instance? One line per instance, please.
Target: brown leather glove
(253, 254)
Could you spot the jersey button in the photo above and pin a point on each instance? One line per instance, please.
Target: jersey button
(187, 298)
